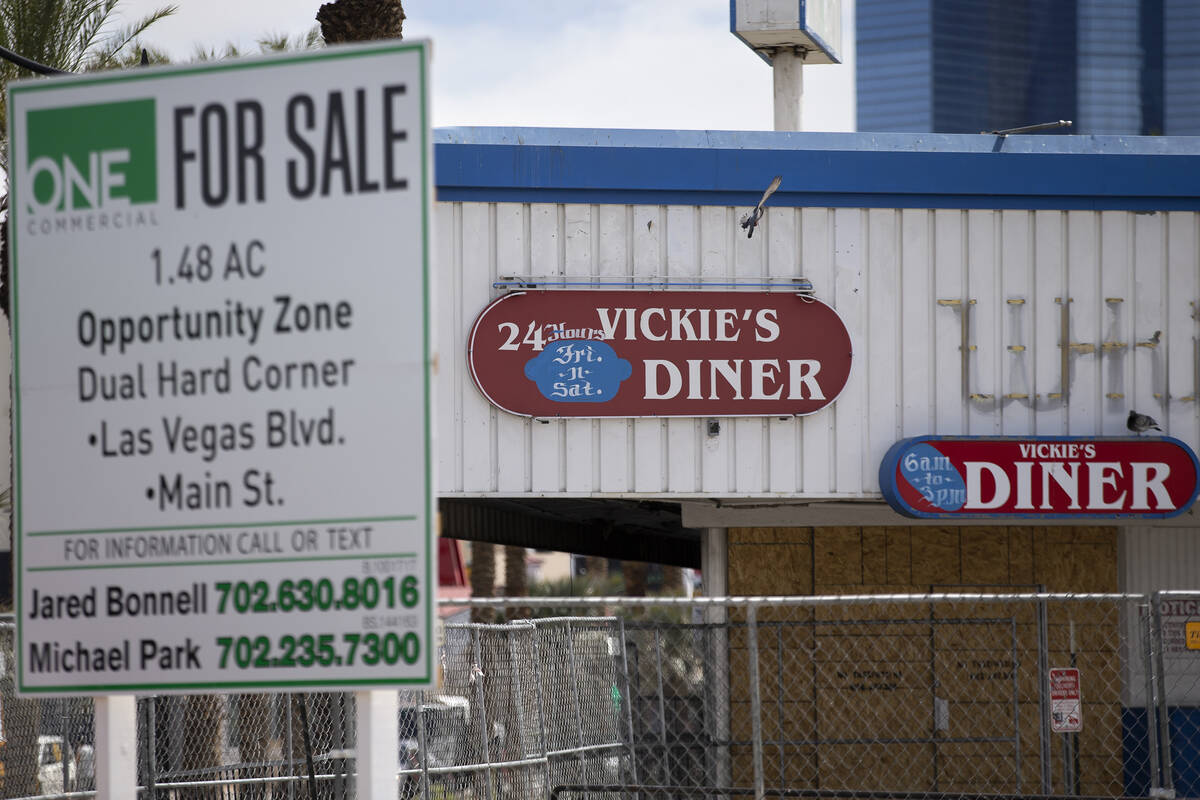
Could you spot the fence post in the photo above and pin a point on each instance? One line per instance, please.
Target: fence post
(584, 772)
(423, 745)
(519, 697)
(541, 703)
(1071, 740)
(151, 748)
(715, 560)
(1152, 754)
(291, 752)
(628, 699)
(755, 700)
(518, 701)
(1043, 660)
(67, 749)
(1015, 658)
(662, 710)
(1164, 718)
(483, 719)
(777, 690)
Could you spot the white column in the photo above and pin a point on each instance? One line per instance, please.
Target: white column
(787, 68)
(714, 562)
(116, 747)
(714, 568)
(377, 731)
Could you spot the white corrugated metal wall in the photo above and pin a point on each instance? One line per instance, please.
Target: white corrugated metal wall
(901, 280)
(1159, 558)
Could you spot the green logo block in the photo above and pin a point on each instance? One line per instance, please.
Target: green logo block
(88, 158)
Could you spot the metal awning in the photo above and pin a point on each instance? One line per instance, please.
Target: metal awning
(629, 530)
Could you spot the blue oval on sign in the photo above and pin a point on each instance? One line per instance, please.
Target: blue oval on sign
(933, 477)
(578, 371)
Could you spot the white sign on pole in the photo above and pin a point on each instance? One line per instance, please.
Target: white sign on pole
(222, 426)
(1066, 704)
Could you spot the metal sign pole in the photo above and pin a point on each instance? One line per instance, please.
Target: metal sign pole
(378, 736)
(116, 747)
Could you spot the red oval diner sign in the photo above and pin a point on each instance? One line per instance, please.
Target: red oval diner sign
(660, 354)
(980, 476)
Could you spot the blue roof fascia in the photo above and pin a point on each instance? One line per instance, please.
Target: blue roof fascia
(818, 169)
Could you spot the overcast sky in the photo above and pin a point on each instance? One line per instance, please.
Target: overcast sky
(570, 63)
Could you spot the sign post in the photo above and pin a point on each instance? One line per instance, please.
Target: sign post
(222, 350)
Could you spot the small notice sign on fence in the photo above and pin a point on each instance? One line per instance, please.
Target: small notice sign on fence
(1066, 713)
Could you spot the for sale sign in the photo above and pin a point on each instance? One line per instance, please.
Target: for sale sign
(223, 412)
(1066, 705)
(978, 476)
(666, 353)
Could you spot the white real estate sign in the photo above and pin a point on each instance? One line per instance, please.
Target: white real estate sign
(222, 355)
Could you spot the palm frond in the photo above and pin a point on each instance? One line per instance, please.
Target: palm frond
(274, 42)
(131, 56)
(313, 39)
(281, 42)
(68, 35)
(91, 17)
(110, 52)
(202, 53)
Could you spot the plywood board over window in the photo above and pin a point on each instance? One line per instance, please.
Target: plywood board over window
(851, 676)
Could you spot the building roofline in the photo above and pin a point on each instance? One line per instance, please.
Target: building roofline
(879, 170)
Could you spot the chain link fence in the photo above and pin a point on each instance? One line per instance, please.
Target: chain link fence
(521, 707)
(870, 696)
(1168, 627)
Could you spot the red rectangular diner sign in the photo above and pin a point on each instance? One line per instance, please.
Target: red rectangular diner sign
(978, 476)
(633, 353)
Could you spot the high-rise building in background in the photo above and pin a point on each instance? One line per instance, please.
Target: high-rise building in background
(965, 66)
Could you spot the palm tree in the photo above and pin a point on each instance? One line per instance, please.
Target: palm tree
(483, 577)
(635, 577)
(68, 35)
(516, 577)
(267, 43)
(361, 20)
(672, 580)
(596, 570)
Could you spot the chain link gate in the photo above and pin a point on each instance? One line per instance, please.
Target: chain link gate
(1171, 639)
(937, 695)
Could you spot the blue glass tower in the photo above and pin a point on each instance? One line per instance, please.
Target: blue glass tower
(965, 66)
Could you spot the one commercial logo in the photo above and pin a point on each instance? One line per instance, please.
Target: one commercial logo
(88, 167)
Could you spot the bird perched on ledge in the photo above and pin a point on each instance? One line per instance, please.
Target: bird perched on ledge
(1140, 423)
